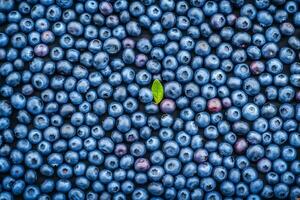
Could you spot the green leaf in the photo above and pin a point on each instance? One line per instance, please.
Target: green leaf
(157, 91)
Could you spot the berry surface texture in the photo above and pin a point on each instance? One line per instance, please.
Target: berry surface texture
(149, 99)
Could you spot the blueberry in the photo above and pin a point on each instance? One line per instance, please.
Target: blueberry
(141, 164)
(214, 105)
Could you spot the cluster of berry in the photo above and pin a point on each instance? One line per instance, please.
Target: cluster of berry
(81, 119)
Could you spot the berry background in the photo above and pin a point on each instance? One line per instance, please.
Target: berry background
(78, 118)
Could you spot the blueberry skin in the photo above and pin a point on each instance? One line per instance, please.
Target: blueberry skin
(227, 188)
(215, 84)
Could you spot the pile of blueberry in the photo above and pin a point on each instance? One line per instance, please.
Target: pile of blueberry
(78, 118)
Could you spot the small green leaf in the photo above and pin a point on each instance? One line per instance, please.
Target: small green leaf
(157, 91)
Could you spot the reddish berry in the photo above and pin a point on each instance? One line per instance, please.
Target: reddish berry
(240, 146)
(214, 105)
(167, 106)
